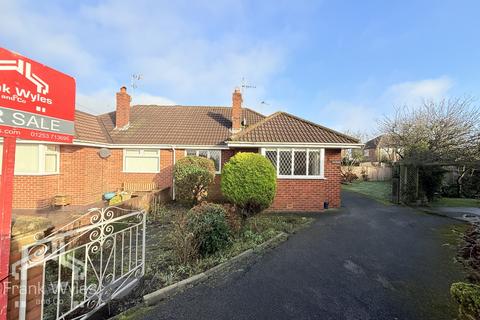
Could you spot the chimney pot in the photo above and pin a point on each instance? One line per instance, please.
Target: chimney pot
(122, 116)
(236, 110)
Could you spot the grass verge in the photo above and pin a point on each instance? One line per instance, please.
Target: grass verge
(377, 190)
(455, 202)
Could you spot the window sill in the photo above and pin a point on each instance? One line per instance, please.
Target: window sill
(37, 174)
(140, 171)
(301, 178)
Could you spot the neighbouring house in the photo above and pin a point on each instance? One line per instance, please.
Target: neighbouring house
(141, 143)
(379, 149)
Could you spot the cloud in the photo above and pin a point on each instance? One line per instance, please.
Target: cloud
(96, 102)
(146, 98)
(362, 114)
(104, 100)
(48, 38)
(194, 53)
(194, 60)
(414, 92)
(350, 116)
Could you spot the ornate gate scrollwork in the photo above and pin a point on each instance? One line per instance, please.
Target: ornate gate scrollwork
(85, 264)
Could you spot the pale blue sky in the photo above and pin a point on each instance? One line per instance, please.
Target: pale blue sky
(340, 63)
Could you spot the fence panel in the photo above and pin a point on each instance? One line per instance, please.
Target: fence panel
(373, 173)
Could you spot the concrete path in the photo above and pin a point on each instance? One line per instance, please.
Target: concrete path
(365, 261)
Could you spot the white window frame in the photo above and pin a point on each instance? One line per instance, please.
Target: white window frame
(208, 156)
(141, 151)
(42, 151)
(43, 154)
(292, 152)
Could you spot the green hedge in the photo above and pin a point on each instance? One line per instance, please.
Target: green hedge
(467, 296)
(249, 181)
(193, 175)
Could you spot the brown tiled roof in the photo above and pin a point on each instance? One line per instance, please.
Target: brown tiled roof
(197, 125)
(181, 125)
(282, 127)
(89, 128)
(383, 140)
(373, 143)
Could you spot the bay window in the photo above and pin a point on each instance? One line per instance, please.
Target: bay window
(141, 160)
(35, 159)
(307, 163)
(215, 155)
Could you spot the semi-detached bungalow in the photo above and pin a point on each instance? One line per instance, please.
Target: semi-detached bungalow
(144, 142)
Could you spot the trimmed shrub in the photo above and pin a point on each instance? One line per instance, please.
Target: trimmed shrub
(208, 224)
(467, 296)
(193, 175)
(185, 248)
(249, 181)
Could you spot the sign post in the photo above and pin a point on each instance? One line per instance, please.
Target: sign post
(6, 195)
(36, 103)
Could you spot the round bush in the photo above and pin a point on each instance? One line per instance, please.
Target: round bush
(249, 181)
(193, 175)
(208, 223)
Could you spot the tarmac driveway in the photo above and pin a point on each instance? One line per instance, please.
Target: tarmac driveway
(364, 261)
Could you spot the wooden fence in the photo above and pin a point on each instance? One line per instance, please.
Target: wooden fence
(373, 173)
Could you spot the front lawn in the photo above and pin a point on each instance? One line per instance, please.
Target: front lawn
(455, 202)
(378, 190)
(162, 269)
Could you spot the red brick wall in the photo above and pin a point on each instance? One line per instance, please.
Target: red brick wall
(85, 177)
(34, 191)
(309, 195)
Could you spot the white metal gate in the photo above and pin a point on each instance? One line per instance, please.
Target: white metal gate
(92, 260)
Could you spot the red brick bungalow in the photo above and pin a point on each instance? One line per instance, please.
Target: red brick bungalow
(145, 141)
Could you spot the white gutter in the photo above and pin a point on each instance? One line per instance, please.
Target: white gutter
(145, 146)
(230, 144)
(124, 146)
(295, 144)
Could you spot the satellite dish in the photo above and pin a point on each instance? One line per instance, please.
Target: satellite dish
(104, 153)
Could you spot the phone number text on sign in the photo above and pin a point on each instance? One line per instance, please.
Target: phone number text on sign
(27, 134)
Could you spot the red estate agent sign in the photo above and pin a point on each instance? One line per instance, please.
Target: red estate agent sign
(36, 103)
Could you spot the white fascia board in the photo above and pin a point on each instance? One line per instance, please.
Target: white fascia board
(146, 146)
(296, 145)
(124, 146)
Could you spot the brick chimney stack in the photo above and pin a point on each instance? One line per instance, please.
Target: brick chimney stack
(122, 119)
(236, 110)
